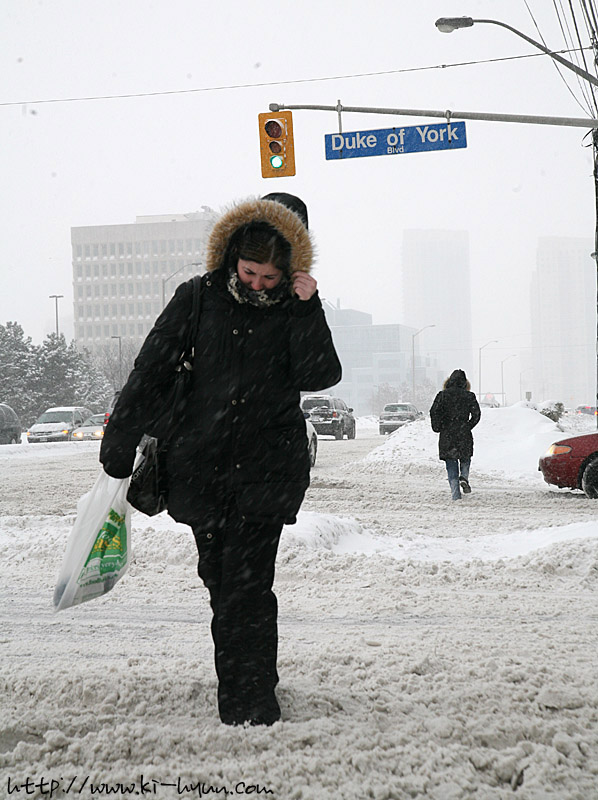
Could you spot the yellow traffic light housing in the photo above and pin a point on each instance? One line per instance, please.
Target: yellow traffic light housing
(277, 149)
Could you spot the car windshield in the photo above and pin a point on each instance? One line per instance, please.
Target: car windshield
(97, 419)
(396, 407)
(56, 416)
(316, 402)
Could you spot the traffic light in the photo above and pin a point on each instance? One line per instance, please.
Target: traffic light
(276, 144)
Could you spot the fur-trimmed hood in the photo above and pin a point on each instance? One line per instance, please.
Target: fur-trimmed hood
(285, 221)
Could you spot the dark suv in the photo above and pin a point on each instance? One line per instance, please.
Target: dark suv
(330, 416)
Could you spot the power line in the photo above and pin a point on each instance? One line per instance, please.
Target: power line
(556, 65)
(279, 83)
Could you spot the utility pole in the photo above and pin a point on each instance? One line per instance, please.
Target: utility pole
(120, 361)
(56, 298)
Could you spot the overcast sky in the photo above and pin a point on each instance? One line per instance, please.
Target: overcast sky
(193, 140)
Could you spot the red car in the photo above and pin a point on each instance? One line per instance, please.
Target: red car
(573, 464)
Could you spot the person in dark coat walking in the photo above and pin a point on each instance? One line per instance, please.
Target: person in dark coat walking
(454, 413)
(238, 464)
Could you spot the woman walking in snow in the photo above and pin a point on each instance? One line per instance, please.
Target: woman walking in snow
(454, 413)
(238, 464)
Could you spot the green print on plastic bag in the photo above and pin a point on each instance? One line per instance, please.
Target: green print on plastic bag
(109, 552)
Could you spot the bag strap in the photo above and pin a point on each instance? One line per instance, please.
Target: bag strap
(197, 292)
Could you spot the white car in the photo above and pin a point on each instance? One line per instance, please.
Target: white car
(57, 424)
(92, 429)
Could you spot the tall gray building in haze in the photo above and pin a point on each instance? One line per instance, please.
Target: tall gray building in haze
(563, 310)
(436, 291)
(123, 274)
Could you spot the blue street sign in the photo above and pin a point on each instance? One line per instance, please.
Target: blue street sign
(393, 141)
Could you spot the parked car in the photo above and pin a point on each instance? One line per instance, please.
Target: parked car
(10, 426)
(586, 410)
(57, 424)
(395, 415)
(92, 428)
(573, 464)
(110, 409)
(329, 415)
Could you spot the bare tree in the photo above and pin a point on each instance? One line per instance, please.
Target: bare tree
(383, 393)
(115, 362)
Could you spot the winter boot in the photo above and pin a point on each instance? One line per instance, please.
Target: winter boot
(465, 487)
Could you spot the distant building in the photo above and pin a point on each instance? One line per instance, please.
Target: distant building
(563, 311)
(123, 274)
(374, 355)
(437, 291)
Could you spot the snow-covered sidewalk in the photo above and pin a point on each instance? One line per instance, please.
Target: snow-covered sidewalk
(426, 651)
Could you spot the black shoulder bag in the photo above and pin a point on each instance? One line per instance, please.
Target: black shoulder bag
(148, 489)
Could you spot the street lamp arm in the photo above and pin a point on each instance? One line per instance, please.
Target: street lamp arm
(449, 24)
(569, 64)
(176, 272)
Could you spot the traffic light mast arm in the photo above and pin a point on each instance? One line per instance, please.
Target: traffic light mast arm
(574, 122)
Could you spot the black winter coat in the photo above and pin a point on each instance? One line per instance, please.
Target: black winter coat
(454, 413)
(243, 435)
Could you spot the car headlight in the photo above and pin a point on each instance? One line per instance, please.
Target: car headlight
(78, 434)
(558, 449)
(98, 434)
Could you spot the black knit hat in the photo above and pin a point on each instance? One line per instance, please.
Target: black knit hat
(290, 201)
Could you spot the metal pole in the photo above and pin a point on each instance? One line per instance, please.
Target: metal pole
(480, 373)
(413, 367)
(120, 360)
(493, 341)
(56, 297)
(413, 335)
(502, 379)
(595, 149)
(572, 122)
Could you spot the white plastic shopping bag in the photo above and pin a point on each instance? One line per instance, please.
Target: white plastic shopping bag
(99, 548)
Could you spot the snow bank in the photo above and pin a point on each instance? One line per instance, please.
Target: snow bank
(507, 442)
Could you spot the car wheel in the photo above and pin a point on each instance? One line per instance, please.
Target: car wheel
(351, 434)
(589, 479)
(313, 450)
(339, 432)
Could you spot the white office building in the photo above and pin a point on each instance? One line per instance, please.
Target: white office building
(563, 311)
(123, 274)
(436, 291)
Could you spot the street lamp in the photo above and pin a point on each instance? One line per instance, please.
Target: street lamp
(493, 341)
(413, 335)
(450, 24)
(120, 361)
(502, 378)
(56, 298)
(176, 272)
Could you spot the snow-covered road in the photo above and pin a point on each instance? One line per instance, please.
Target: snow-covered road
(427, 648)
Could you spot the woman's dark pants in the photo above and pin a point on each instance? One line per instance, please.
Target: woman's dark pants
(236, 563)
